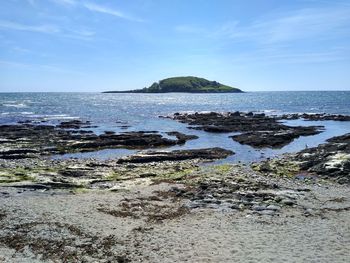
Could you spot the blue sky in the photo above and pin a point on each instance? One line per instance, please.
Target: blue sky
(96, 45)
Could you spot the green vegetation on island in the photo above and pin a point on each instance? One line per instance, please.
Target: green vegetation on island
(184, 84)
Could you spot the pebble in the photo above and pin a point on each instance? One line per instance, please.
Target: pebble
(235, 207)
(288, 202)
(273, 207)
(267, 212)
(258, 208)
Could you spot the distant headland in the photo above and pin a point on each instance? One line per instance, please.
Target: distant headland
(184, 84)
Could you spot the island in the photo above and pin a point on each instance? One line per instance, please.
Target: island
(184, 84)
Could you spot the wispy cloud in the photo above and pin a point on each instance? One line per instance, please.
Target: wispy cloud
(94, 7)
(299, 36)
(110, 11)
(49, 29)
(302, 24)
(64, 2)
(297, 25)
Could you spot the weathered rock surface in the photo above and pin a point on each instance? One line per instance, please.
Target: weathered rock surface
(208, 154)
(74, 124)
(260, 139)
(182, 138)
(327, 161)
(29, 141)
(258, 130)
(331, 159)
(316, 117)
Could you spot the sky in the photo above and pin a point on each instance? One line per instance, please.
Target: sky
(99, 45)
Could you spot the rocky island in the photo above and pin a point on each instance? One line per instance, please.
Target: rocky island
(184, 84)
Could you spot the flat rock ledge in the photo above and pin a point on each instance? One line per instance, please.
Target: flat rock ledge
(315, 117)
(177, 155)
(32, 141)
(258, 130)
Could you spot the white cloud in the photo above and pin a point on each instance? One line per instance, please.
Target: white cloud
(302, 24)
(297, 25)
(98, 9)
(81, 34)
(49, 29)
(301, 36)
(65, 2)
(109, 11)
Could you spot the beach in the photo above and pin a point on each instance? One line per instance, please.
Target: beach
(158, 201)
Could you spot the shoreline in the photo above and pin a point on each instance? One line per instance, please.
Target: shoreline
(174, 206)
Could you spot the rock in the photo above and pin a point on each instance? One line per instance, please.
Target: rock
(30, 141)
(145, 175)
(258, 208)
(325, 117)
(309, 212)
(194, 205)
(234, 206)
(258, 130)
(267, 212)
(109, 132)
(273, 207)
(73, 124)
(331, 159)
(73, 173)
(207, 154)
(289, 202)
(273, 139)
(182, 138)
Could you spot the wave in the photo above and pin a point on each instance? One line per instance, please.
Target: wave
(15, 105)
(53, 116)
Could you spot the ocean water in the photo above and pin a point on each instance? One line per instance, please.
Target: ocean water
(142, 111)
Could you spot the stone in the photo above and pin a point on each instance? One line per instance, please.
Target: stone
(177, 155)
(289, 202)
(273, 207)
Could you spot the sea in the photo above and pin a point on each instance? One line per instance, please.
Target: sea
(141, 112)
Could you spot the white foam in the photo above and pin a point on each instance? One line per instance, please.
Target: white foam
(51, 116)
(270, 111)
(15, 105)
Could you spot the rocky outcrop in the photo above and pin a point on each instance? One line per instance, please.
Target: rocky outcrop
(29, 141)
(258, 130)
(315, 117)
(182, 138)
(74, 124)
(272, 139)
(329, 160)
(178, 155)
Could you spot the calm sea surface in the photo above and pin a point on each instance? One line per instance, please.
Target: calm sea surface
(141, 111)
